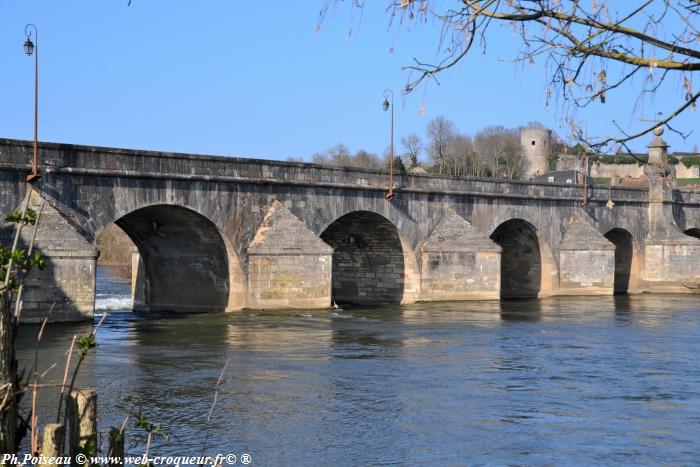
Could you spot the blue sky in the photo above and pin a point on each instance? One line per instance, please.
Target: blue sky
(255, 79)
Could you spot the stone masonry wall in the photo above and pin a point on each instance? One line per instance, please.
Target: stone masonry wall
(289, 281)
(586, 272)
(288, 265)
(459, 263)
(672, 267)
(635, 170)
(586, 260)
(671, 258)
(68, 282)
(368, 262)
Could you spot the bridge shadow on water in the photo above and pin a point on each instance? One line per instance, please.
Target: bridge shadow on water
(621, 306)
(367, 332)
(523, 309)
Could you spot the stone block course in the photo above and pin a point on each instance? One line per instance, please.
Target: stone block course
(288, 265)
(368, 260)
(586, 260)
(458, 262)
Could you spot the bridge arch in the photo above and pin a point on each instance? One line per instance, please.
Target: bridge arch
(528, 268)
(187, 264)
(372, 262)
(625, 259)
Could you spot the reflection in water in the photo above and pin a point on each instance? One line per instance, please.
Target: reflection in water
(562, 380)
(368, 340)
(529, 310)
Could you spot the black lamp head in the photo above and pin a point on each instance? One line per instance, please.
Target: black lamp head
(28, 46)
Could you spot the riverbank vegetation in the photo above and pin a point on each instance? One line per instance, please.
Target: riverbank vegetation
(16, 260)
(115, 249)
(74, 430)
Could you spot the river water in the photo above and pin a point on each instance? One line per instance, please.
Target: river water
(595, 381)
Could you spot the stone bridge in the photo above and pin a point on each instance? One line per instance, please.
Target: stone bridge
(221, 234)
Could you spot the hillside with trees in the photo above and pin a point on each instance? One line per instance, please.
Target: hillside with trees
(493, 152)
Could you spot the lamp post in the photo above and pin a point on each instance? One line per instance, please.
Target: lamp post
(33, 48)
(388, 93)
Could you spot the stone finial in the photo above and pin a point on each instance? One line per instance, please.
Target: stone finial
(657, 149)
(661, 175)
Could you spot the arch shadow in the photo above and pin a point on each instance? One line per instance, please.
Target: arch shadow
(624, 256)
(185, 259)
(693, 232)
(368, 259)
(521, 260)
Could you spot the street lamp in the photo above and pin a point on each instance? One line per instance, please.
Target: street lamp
(388, 93)
(33, 48)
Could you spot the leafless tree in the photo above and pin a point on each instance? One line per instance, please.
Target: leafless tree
(368, 160)
(413, 147)
(440, 132)
(500, 148)
(340, 156)
(590, 50)
(464, 160)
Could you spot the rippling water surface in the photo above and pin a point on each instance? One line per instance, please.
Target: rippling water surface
(607, 380)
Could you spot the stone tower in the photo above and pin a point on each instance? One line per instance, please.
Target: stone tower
(536, 144)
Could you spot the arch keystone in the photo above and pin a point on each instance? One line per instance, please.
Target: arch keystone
(288, 265)
(459, 262)
(586, 260)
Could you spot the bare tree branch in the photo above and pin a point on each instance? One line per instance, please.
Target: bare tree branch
(583, 45)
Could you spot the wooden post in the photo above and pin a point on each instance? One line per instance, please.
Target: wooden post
(82, 423)
(116, 446)
(51, 443)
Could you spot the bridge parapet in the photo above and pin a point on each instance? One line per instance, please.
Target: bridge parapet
(127, 163)
(251, 233)
(687, 196)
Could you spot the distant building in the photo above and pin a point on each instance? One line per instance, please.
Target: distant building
(682, 155)
(574, 162)
(623, 169)
(535, 144)
(629, 182)
(612, 166)
(565, 176)
(418, 170)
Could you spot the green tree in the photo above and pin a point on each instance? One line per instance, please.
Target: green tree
(15, 263)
